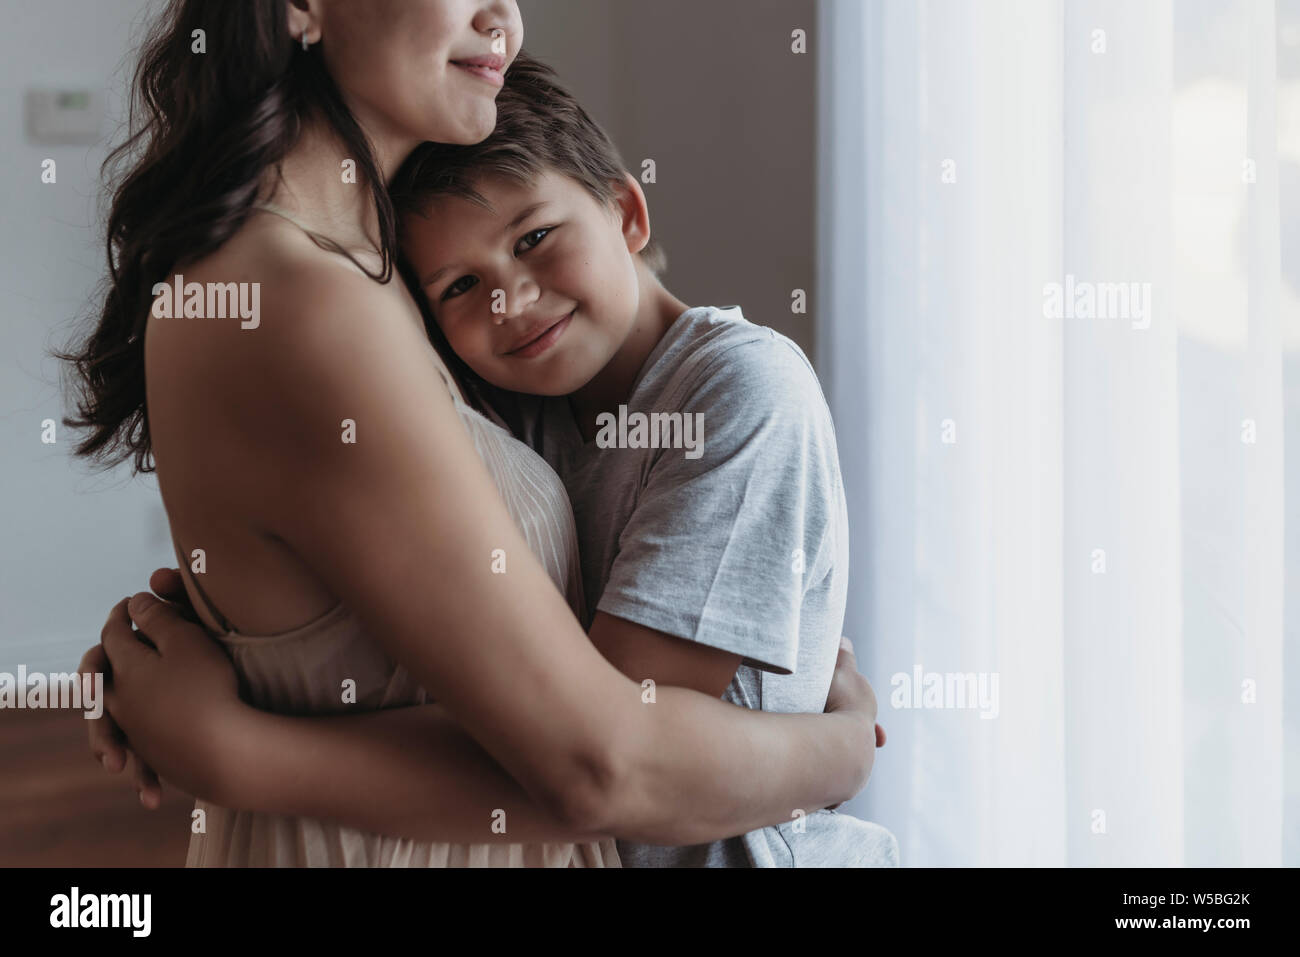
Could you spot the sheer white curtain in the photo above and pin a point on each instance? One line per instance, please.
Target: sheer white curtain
(1054, 325)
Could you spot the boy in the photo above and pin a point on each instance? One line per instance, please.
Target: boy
(697, 448)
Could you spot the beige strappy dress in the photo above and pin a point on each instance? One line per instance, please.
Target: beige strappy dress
(302, 671)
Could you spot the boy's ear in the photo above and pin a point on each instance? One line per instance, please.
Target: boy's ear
(630, 203)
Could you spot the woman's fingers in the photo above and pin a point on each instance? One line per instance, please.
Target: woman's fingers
(103, 733)
(107, 743)
(119, 640)
(161, 623)
(168, 585)
(146, 783)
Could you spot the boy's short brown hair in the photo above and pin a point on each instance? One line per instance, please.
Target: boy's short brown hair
(540, 127)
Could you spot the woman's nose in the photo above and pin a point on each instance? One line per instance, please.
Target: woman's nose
(502, 16)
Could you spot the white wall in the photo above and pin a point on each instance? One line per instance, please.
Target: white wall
(71, 541)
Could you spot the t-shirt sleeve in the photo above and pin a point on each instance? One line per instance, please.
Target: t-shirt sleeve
(721, 549)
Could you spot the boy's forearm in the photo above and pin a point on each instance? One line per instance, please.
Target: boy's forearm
(751, 770)
(410, 772)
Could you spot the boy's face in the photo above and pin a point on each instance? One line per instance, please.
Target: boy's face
(557, 265)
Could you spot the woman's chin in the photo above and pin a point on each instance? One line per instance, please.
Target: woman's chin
(474, 126)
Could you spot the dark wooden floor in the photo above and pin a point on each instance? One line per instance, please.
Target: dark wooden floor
(58, 808)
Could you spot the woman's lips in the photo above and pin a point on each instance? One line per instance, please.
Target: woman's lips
(544, 341)
(486, 73)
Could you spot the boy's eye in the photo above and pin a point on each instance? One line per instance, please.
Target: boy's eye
(533, 239)
(529, 241)
(461, 286)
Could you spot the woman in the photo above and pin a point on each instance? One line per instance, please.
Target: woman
(319, 465)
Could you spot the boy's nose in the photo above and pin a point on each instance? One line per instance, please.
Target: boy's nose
(519, 300)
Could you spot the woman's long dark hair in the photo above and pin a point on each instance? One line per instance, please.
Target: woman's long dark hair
(203, 129)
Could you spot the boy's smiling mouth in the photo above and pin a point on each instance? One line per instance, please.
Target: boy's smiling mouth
(541, 337)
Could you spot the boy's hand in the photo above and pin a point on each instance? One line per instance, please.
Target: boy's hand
(851, 691)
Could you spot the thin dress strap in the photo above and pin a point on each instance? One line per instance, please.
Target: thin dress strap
(206, 607)
(452, 385)
(321, 240)
(284, 214)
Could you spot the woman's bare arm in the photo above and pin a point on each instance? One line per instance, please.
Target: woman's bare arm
(414, 772)
(409, 771)
(404, 525)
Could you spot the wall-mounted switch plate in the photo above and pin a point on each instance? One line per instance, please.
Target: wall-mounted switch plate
(65, 117)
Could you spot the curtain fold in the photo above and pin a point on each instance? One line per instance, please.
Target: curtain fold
(1051, 318)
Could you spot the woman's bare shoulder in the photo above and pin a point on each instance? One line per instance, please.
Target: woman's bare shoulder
(268, 315)
(267, 289)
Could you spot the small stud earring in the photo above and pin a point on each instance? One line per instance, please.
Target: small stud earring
(305, 44)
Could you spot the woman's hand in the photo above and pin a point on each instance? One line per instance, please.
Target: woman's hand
(106, 738)
(107, 742)
(173, 693)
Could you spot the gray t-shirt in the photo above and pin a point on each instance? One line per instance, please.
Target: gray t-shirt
(736, 538)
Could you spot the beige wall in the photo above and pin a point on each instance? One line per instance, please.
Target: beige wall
(712, 92)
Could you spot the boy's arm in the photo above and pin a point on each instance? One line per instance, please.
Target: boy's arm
(640, 653)
(723, 549)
